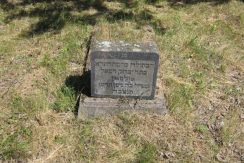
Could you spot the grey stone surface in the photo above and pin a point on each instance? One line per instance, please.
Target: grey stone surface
(121, 46)
(120, 69)
(97, 107)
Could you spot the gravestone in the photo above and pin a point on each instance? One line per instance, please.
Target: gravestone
(123, 78)
(124, 70)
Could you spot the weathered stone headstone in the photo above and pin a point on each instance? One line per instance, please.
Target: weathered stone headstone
(123, 77)
(124, 70)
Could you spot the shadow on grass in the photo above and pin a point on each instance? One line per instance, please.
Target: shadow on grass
(6, 6)
(54, 15)
(81, 84)
(192, 2)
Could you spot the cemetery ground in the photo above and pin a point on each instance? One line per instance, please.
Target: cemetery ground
(43, 45)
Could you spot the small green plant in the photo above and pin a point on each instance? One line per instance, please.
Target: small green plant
(181, 96)
(147, 154)
(201, 128)
(199, 80)
(46, 61)
(65, 99)
(17, 104)
(233, 90)
(214, 148)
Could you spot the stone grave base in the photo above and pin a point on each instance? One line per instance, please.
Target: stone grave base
(95, 107)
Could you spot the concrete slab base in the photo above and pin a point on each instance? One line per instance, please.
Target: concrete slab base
(96, 107)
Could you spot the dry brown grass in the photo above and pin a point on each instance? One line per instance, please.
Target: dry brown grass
(201, 71)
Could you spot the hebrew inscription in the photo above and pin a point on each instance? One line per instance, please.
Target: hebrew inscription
(120, 69)
(123, 77)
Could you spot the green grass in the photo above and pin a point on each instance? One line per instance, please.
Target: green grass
(181, 99)
(147, 154)
(65, 99)
(16, 145)
(87, 142)
(201, 128)
(43, 46)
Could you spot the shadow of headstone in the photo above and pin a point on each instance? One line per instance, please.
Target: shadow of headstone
(81, 84)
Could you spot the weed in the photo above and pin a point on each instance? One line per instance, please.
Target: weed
(65, 99)
(147, 154)
(233, 90)
(215, 148)
(201, 128)
(199, 79)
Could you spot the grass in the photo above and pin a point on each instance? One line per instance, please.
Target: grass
(16, 145)
(65, 100)
(42, 51)
(147, 154)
